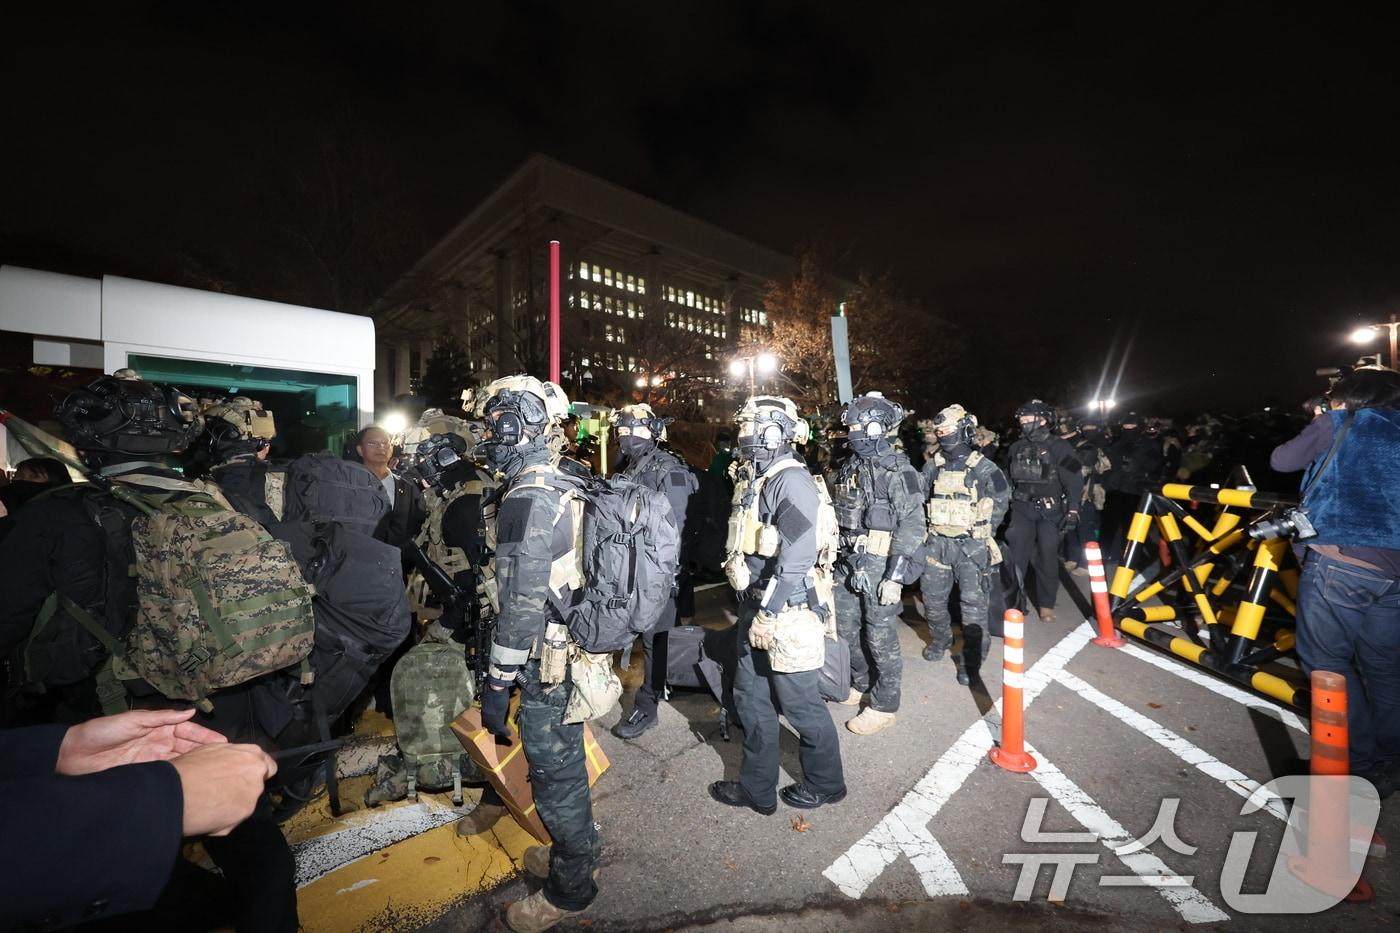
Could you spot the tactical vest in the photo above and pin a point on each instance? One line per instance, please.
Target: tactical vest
(953, 508)
(430, 537)
(749, 536)
(867, 515)
(1033, 471)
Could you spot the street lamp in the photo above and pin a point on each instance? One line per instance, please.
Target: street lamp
(1102, 405)
(1368, 332)
(764, 364)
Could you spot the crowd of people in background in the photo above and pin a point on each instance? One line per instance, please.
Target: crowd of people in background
(945, 504)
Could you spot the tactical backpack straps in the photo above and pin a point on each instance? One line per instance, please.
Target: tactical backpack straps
(110, 692)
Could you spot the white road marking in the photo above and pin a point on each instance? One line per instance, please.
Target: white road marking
(904, 830)
(1185, 671)
(1192, 905)
(366, 832)
(1193, 755)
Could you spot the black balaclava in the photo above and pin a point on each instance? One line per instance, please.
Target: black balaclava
(1038, 431)
(866, 447)
(954, 446)
(634, 448)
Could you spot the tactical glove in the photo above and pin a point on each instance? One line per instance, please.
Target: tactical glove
(761, 630)
(891, 592)
(495, 699)
(859, 582)
(1069, 522)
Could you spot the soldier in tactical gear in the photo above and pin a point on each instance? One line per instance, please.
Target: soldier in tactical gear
(127, 428)
(1137, 464)
(522, 440)
(238, 434)
(1046, 485)
(638, 431)
(1094, 463)
(967, 499)
(878, 503)
(772, 557)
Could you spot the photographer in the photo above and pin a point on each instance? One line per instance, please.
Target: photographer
(1349, 594)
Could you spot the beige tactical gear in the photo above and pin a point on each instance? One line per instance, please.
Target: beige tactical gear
(556, 403)
(798, 641)
(436, 421)
(596, 687)
(953, 508)
(245, 414)
(756, 412)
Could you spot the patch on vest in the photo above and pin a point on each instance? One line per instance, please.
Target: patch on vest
(513, 519)
(999, 481)
(791, 522)
(911, 482)
(680, 479)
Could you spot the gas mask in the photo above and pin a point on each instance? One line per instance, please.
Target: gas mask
(866, 447)
(954, 445)
(634, 447)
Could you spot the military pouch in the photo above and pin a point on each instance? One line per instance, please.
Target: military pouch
(768, 541)
(736, 571)
(1099, 496)
(596, 687)
(489, 587)
(799, 642)
(880, 517)
(951, 517)
(554, 654)
(993, 551)
(878, 543)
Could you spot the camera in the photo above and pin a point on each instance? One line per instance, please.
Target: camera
(1293, 523)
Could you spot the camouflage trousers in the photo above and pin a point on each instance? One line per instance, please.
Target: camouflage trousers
(872, 632)
(966, 562)
(559, 779)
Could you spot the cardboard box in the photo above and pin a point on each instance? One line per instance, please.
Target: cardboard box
(505, 766)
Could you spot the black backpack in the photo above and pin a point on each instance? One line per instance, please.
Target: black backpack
(325, 488)
(254, 487)
(362, 616)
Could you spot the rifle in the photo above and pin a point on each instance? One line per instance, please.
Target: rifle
(460, 607)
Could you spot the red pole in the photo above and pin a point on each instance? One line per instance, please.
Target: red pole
(554, 311)
(1098, 585)
(1011, 754)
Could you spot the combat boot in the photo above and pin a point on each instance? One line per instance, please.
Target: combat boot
(482, 818)
(536, 862)
(934, 654)
(536, 914)
(870, 721)
(635, 724)
(1047, 614)
(852, 698)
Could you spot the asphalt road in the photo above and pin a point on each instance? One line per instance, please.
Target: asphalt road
(922, 837)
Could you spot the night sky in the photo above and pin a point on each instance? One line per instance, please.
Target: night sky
(1215, 182)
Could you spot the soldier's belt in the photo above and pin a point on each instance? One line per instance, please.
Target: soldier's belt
(1044, 502)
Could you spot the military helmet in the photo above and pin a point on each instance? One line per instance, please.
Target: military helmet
(872, 414)
(130, 416)
(519, 408)
(436, 421)
(769, 421)
(629, 417)
(1036, 408)
(955, 420)
(436, 454)
(237, 425)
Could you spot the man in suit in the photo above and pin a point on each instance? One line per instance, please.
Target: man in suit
(406, 511)
(94, 814)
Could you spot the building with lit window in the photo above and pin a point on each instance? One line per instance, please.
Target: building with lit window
(651, 297)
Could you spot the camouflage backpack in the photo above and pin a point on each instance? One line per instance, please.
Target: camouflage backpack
(430, 687)
(220, 601)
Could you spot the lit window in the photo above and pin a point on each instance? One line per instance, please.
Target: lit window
(585, 361)
(621, 335)
(631, 309)
(583, 300)
(631, 362)
(763, 318)
(631, 283)
(641, 285)
(597, 275)
(607, 276)
(608, 331)
(608, 304)
(690, 299)
(583, 274)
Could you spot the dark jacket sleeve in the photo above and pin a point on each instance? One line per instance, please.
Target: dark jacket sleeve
(524, 553)
(81, 848)
(30, 752)
(907, 501)
(1071, 473)
(992, 482)
(677, 485)
(1294, 455)
(50, 537)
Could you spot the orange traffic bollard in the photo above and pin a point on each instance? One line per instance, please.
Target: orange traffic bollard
(1098, 586)
(1011, 754)
(1329, 801)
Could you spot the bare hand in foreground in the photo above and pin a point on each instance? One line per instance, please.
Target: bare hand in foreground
(130, 738)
